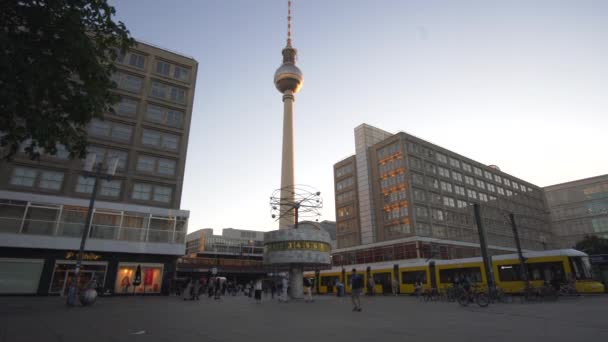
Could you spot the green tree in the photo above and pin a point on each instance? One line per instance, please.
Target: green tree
(56, 63)
(592, 244)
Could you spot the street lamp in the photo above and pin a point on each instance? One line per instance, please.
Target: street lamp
(92, 170)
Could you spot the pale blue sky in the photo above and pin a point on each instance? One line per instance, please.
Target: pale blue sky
(520, 84)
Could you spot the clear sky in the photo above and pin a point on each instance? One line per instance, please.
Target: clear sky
(519, 84)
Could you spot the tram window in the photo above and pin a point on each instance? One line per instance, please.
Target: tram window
(546, 271)
(509, 272)
(581, 267)
(411, 277)
(329, 281)
(457, 274)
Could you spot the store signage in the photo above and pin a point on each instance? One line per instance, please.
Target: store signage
(298, 245)
(85, 256)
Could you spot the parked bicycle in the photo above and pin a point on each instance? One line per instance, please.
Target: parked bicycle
(474, 295)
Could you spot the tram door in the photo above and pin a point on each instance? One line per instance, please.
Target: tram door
(433, 276)
(384, 279)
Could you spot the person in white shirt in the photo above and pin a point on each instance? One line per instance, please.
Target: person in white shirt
(284, 286)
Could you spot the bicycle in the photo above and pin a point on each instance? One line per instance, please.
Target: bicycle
(431, 294)
(474, 295)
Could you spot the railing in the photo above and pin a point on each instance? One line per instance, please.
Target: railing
(120, 232)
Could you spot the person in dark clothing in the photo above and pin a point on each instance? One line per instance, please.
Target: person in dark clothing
(356, 289)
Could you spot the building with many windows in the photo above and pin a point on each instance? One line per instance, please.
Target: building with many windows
(578, 208)
(403, 197)
(137, 218)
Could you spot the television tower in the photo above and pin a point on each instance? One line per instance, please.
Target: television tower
(288, 79)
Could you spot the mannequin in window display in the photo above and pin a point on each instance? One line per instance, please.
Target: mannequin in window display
(125, 284)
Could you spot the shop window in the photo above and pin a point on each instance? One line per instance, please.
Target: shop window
(151, 278)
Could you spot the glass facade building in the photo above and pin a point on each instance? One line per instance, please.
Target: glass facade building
(578, 208)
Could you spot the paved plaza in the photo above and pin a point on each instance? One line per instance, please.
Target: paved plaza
(327, 319)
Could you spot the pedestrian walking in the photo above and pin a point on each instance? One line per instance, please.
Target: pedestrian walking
(284, 285)
(187, 290)
(395, 286)
(257, 287)
(356, 288)
(371, 286)
(308, 289)
(196, 290)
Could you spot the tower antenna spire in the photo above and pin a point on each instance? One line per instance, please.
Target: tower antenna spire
(289, 23)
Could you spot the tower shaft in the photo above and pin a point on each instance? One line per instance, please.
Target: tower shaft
(287, 219)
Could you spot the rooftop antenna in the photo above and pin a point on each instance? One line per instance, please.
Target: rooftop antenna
(289, 23)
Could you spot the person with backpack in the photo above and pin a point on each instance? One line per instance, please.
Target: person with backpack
(356, 289)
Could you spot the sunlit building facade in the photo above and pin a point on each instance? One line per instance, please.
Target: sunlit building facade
(402, 197)
(137, 219)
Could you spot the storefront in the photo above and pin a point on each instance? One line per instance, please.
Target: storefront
(20, 276)
(50, 272)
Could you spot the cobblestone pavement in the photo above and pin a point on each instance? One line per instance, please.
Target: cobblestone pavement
(327, 319)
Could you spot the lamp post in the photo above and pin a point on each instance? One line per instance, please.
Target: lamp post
(93, 170)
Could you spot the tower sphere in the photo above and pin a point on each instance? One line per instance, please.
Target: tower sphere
(288, 77)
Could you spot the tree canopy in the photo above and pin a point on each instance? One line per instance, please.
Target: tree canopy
(592, 244)
(56, 64)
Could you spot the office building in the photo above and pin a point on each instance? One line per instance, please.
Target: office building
(137, 218)
(578, 208)
(402, 197)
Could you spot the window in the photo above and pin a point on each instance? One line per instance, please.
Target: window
(448, 202)
(455, 163)
(142, 192)
(444, 172)
(422, 212)
(456, 176)
(459, 190)
(419, 195)
(126, 107)
(437, 215)
(51, 180)
(466, 167)
(146, 164)
(448, 276)
(23, 177)
(515, 185)
(85, 184)
(480, 183)
(415, 163)
(162, 194)
(435, 198)
(159, 90)
(174, 118)
(163, 68)
(492, 198)
(497, 178)
(477, 171)
(483, 197)
(178, 95)
(137, 60)
(469, 180)
(461, 203)
(441, 158)
(472, 194)
(491, 187)
(345, 197)
(432, 183)
(344, 170)
(343, 184)
(417, 179)
(106, 155)
(487, 174)
(166, 167)
(507, 182)
(412, 277)
(509, 193)
(110, 188)
(430, 168)
(181, 74)
(128, 82)
(111, 130)
(446, 187)
(500, 190)
(158, 139)
(121, 132)
(345, 211)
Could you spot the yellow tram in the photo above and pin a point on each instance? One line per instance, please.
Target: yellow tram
(562, 265)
